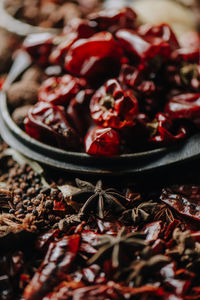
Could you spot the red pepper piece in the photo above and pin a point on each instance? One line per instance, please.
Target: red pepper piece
(76, 29)
(97, 56)
(45, 239)
(113, 19)
(78, 111)
(55, 266)
(102, 142)
(191, 55)
(153, 230)
(130, 76)
(139, 47)
(60, 90)
(39, 46)
(47, 123)
(185, 106)
(112, 106)
(163, 32)
(185, 205)
(185, 76)
(164, 130)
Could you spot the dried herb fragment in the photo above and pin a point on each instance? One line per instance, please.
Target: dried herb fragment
(132, 242)
(186, 251)
(70, 220)
(164, 213)
(142, 269)
(139, 214)
(6, 198)
(99, 199)
(10, 224)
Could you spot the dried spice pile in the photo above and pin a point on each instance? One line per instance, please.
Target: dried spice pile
(50, 13)
(113, 86)
(86, 241)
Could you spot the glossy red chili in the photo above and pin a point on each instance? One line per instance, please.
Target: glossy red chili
(163, 32)
(97, 56)
(47, 123)
(139, 48)
(60, 90)
(114, 19)
(185, 106)
(102, 142)
(164, 131)
(39, 46)
(112, 106)
(76, 29)
(78, 112)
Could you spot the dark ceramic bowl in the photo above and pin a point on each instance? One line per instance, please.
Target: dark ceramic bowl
(82, 163)
(77, 162)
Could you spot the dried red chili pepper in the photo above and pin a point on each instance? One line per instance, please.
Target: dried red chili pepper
(60, 90)
(78, 111)
(54, 267)
(102, 142)
(140, 48)
(47, 123)
(185, 205)
(130, 76)
(153, 230)
(39, 47)
(76, 29)
(112, 106)
(163, 31)
(96, 56)
(190, 55)
(185, 106)
(114, 19)
(164, 131)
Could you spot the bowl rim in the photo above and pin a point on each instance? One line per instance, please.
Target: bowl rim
(74, 154)
(13, 25)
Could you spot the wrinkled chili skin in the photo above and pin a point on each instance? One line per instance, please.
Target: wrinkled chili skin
(139, 48)
(163, 32)
(96, 56)
(60, 90)
(114, 19)
(185, 106)
(39, 46)
(56, 264)
(76, 29)
(102, 142)
(47, 123)
(78, 112)
(112, 106)
(163, 132)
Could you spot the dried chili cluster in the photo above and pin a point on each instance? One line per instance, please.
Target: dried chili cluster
(120, 87)
(113, 246)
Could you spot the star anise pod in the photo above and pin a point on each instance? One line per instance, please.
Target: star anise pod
(142, 270)
(117, 245)
(98, 199)
(186, 251)
(138, 214)
(164, 213)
